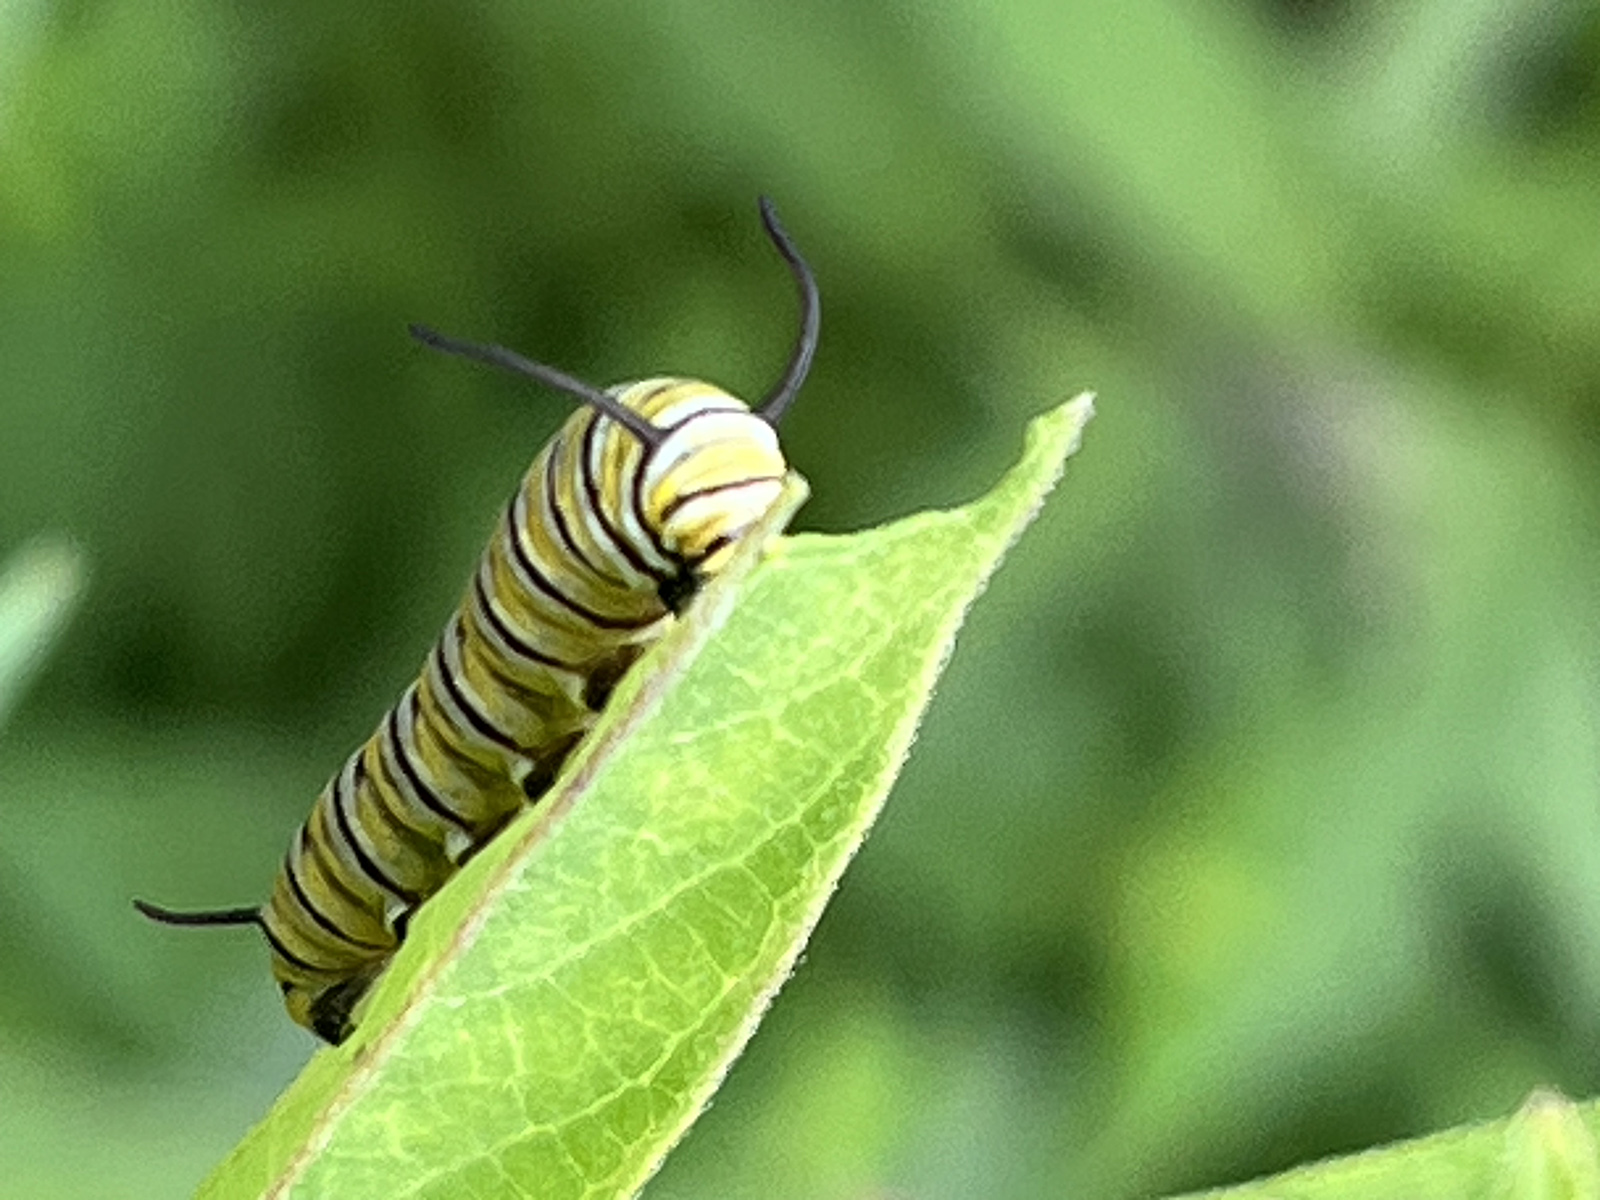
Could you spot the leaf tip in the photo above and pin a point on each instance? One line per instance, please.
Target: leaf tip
(1052, 438)
(1055, 436)
(1549, 1152)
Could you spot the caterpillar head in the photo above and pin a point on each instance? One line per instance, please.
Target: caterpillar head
(710, 478)
(711, 466)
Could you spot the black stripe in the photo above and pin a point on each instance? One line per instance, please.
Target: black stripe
(591, 493)
(558, 518)
(680, 501)
(537, 578)
(665, 385)
(316, 914)
(476, 718)
(718, 544)
(654, 529)
(367, 864)
(703, 412)
(329, 873)
(392, 820)
(511, 684)
(395, 820)
(292, 958)
(452, 739)
(429, 799)
(510, 636)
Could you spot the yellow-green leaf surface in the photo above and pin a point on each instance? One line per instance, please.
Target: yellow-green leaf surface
(1546, 1152)
(38, 586)
(564, 1010)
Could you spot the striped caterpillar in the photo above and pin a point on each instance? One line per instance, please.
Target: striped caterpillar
(640, 497)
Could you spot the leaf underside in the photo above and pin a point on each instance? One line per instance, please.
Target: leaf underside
(565, 1008)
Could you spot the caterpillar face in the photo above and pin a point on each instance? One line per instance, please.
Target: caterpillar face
(714, 474)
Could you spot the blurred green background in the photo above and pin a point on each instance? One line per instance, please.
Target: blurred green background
(1259, 815)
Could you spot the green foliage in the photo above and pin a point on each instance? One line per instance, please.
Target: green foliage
(1257, 818)
(1546, 1152)
(563, 1011)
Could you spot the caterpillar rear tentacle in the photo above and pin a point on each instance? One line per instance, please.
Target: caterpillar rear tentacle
(641, 496)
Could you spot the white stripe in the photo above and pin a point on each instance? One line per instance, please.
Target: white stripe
(618, 505)
(344, 795)
(704, 430)
(456, 840)
(450, 643)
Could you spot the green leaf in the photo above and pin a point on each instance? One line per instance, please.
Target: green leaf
(1550, 1153)
(563, 1011)
(38, 588)
(1546, 1152)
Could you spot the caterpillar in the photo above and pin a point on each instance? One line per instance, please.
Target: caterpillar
(637, 501)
